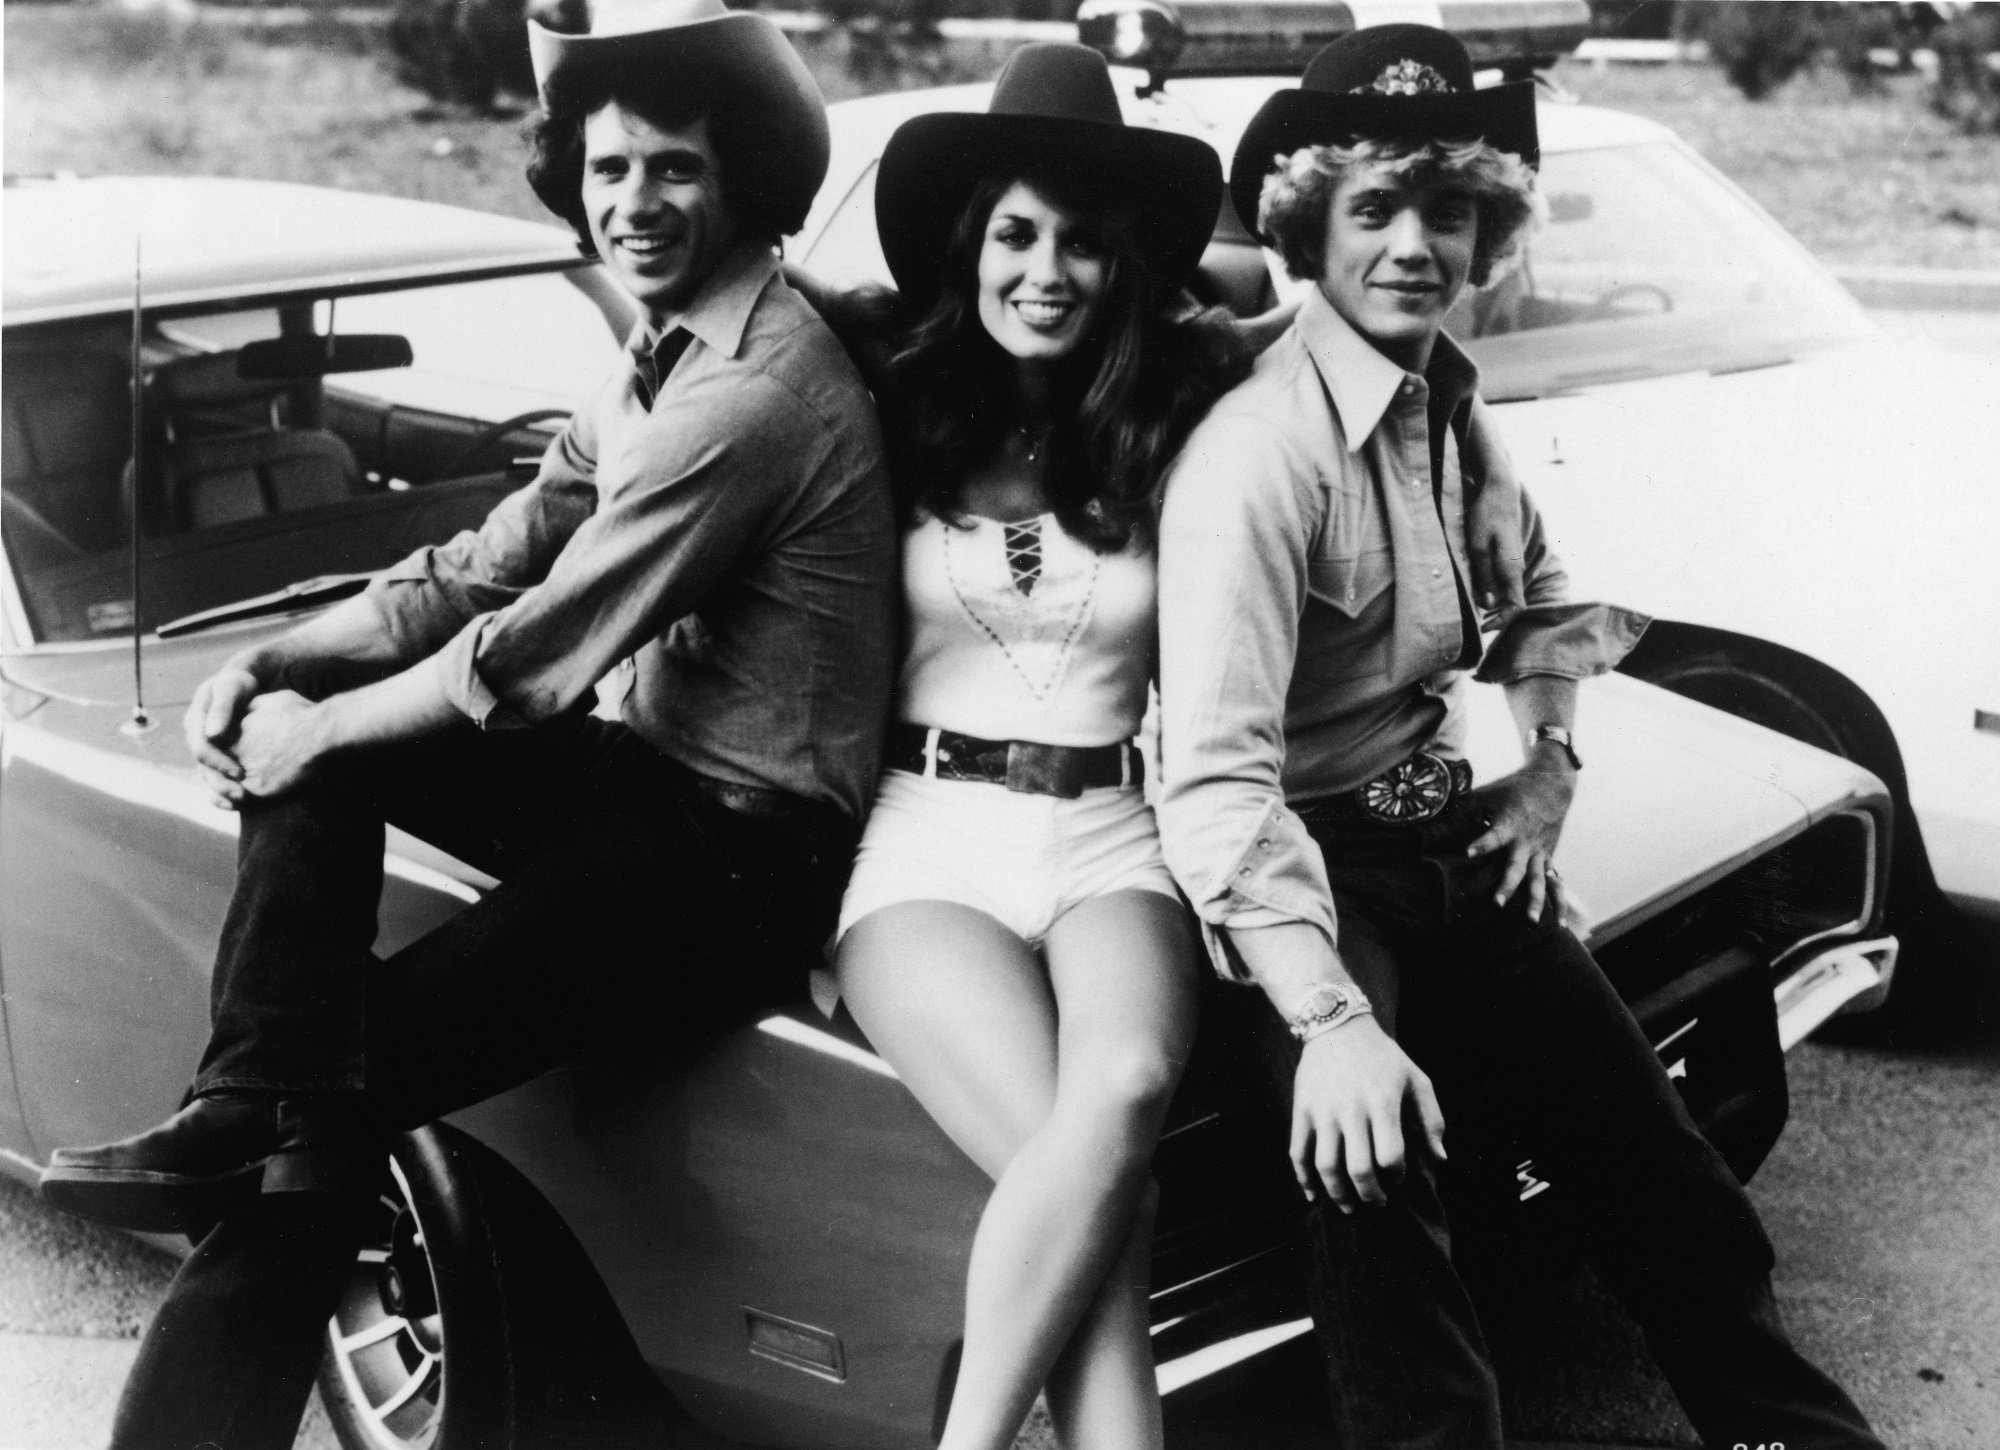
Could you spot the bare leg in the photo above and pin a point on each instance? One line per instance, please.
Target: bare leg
(966, 1013)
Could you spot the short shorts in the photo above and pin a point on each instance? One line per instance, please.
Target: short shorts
(1022, 859)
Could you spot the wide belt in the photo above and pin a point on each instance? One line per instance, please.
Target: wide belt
(1020, 765)
(1406, 794)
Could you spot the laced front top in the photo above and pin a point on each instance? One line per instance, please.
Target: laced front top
(1018, 631)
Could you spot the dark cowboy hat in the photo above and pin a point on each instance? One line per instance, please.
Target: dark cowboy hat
(633, 41)
(1053, 111)
(1383, 83)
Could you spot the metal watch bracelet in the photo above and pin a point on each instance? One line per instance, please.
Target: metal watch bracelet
(1324, 1008)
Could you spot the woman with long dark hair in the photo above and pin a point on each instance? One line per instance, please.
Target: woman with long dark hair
(1011, 940)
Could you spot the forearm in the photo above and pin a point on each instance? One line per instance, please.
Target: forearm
(1543, 700)
(407, 706)
(1288, 960)
(352, 631)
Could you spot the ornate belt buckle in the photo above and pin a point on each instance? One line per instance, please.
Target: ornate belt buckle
(1413, 790)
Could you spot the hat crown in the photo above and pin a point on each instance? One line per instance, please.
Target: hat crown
(1057, 80)
(1391, 60)
(634, 17)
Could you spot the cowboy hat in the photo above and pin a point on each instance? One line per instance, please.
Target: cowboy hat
(632, 42)
(1053, 113)
(1384, 83)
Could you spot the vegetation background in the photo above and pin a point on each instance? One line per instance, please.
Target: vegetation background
(1864, 174)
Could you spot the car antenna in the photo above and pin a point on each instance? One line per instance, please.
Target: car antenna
(140, 722)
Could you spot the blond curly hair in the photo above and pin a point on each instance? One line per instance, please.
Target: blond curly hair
(1292, 210)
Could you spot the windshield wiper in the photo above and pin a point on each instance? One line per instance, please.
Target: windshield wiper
(321, 589)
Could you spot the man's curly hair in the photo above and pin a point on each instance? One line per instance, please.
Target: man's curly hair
(747, 143)
(1293, 208)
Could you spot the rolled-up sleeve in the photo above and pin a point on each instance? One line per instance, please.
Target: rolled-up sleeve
(1552, 636)
(1241, 506)
(699, 488)
(432, 595)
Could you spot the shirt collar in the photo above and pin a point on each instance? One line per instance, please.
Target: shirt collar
(1362, 381)
(720, 312)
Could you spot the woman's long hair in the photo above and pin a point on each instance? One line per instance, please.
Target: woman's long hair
(1124, 401)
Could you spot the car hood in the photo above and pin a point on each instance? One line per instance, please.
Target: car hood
(1846, 505)
(1673, 795)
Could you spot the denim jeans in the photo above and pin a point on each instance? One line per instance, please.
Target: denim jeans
(630, 903)
(1525, 1039)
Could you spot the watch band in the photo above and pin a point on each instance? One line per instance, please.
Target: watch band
(1558, 736)
(1324, 1008)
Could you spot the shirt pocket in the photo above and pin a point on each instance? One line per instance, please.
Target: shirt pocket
(1350, 582)
(1352, 642)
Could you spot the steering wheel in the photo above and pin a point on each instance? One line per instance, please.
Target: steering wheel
(482, 442)
(1606, 302)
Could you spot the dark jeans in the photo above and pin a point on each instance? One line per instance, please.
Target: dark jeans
(631, 902)
(1521, 1033)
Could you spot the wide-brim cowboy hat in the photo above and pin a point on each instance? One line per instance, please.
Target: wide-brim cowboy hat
(1382, 83)
(631, 42)
(1054, 113)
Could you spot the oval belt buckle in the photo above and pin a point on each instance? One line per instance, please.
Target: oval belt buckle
(1414, 790)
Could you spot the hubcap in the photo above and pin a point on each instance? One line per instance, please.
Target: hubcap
(387, 1336)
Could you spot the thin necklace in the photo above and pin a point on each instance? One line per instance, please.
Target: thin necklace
(1029, 441)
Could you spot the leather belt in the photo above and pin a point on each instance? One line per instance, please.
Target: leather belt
(1020, 765)
(761, 803)
(1406, 794)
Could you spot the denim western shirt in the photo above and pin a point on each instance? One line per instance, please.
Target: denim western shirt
(1313, 611)
(733, 538)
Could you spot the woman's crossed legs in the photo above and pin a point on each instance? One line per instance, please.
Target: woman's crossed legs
(1054, 1078)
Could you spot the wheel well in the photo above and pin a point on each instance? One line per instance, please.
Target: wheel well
(1755, 679)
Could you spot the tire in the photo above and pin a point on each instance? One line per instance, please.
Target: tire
(1800, 697)
(472, 1321)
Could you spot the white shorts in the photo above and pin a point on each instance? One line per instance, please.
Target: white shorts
(1022, 859)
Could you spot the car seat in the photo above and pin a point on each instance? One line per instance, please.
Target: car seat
(68, 436)
(222, 453)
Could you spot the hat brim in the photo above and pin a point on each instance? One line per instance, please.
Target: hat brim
(1503, 116)
(1172, 184)
(745, 50)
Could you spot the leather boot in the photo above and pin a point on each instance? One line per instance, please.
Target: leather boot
(210, 1157)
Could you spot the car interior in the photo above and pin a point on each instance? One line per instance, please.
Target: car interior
(247, 484)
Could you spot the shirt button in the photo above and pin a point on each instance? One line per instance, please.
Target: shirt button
(1245, 871)
(1437, 573)
(1264, 844)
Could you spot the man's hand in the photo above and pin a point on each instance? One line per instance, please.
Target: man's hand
(210, 724)
(1527, 811)
(1353, 1093)
(281, 737)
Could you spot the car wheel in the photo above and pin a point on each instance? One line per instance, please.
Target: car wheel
(471, 1319)
(1800, 697)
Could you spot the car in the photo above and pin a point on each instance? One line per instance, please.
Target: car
(1718, 433)
(767, 1243)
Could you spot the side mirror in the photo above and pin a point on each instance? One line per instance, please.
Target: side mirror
(306, 355)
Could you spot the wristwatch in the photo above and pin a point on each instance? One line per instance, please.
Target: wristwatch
(1324, 1008)
(1558, 736)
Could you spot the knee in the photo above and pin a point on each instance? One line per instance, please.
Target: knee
(1134, 1086)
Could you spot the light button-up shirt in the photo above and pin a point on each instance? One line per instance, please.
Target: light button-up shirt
(1314, 626)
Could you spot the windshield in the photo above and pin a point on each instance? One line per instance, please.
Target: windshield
(248, 486)
(1650, 264)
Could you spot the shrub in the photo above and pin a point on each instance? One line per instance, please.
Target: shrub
(1759, 44)
(470, 52)
(1967, 89)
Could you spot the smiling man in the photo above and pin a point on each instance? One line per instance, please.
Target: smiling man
(1315, 625)
(713, 530)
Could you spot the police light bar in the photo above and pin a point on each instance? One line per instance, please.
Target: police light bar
(1278, 37)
